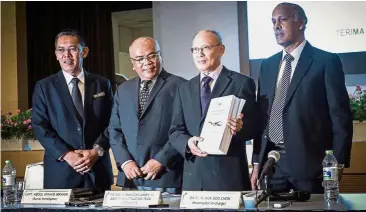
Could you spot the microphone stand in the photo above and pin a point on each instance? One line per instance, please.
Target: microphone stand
(267, 192)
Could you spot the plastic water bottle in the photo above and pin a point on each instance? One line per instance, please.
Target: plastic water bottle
(9, 174)
(330, 177)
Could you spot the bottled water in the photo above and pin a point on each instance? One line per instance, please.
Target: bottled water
(330, 177)
(9, 174)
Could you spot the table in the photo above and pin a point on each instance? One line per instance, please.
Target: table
(316, 203)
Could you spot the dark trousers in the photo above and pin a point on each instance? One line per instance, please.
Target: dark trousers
(282, 181)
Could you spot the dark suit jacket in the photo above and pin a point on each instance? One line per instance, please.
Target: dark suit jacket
(144, 139)
(59, 128)
(214, 172)
(316, 116)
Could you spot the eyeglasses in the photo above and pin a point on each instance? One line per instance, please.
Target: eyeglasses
(196, 50)
(72, 49)
(149, 57)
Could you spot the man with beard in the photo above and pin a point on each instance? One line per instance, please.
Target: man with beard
(140, 122)
(71, 110)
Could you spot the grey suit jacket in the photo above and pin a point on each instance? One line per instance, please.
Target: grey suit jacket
(141, 139)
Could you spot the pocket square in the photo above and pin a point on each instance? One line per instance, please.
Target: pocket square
(98, 95)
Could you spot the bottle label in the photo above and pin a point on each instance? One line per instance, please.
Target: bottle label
(8, 180)
(330, 173)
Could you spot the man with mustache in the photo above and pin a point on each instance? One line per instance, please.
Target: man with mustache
(304, 107)
(71, 110)
(140, 122)
(202, 171)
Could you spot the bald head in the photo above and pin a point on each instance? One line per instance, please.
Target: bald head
(145, 57)
(143, 42)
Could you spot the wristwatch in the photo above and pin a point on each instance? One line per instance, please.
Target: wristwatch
(99, 150)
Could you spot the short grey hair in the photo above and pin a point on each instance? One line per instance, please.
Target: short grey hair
(217, 34)
(299, 11)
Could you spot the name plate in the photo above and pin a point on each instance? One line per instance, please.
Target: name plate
(210, 199)
(46, 196)
(131, 198)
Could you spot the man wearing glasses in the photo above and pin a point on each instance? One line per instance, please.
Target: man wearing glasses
(71, 110)
(140, 122)
(203, 171)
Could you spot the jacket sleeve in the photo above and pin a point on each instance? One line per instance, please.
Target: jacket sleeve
(116, 137)
(44, 132)
(339, 110)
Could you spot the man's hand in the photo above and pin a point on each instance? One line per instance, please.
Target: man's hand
(340, 173)
(254, 178)
(235, 124)
(192, 144)
(132, 171)
(151, 169)
(89, 157)
(72, 158)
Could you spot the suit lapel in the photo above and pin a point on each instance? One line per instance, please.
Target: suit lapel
(135, 96)
(300, 70)
(160, 80)
(272, 76)
(88, 96)
(63, 91)
(221, 84)
(194, 93)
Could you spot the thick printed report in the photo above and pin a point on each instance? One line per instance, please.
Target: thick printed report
(215, 132)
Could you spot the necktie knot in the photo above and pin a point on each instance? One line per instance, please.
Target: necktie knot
(288, 58)
(206, 80)
(146, 83)
(75, 81)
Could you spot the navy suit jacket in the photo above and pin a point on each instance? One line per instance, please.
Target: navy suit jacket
(59, 128)
(142, 139)
(214, 172)
(316, 116)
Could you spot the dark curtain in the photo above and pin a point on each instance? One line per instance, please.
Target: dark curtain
(93, 19)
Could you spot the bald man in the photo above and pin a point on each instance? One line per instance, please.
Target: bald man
(140, 122)
(212, 172)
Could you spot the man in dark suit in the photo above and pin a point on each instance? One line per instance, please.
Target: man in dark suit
(140, 122)
(304, 106)
(71, 109)
(212, 172)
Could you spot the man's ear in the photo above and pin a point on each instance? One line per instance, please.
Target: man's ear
(85, 52)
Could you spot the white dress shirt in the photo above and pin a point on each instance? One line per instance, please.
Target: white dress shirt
(296, 53)
(213, 74)
(81, 83)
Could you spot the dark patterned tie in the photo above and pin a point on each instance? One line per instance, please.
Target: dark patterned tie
(276, 116)
(205, 92)
(144, 94)
(76, 96)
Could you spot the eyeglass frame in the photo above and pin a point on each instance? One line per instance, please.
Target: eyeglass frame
(147, 57)
(77, 49)
(203, 49)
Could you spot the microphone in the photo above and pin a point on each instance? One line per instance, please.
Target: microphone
(298, 196)
(273, 157)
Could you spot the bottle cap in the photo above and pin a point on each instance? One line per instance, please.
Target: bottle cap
(329, 152)
(8, 161)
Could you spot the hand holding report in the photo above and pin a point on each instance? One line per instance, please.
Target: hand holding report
(216, 131)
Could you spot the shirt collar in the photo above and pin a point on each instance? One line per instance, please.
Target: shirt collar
(153, 80)
(69, 77)
(213, 74)
(296, 52)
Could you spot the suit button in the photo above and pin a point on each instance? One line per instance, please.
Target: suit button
(81, 147)
(79, 129)
(265, 137)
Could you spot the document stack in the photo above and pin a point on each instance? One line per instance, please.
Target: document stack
(215, 132)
